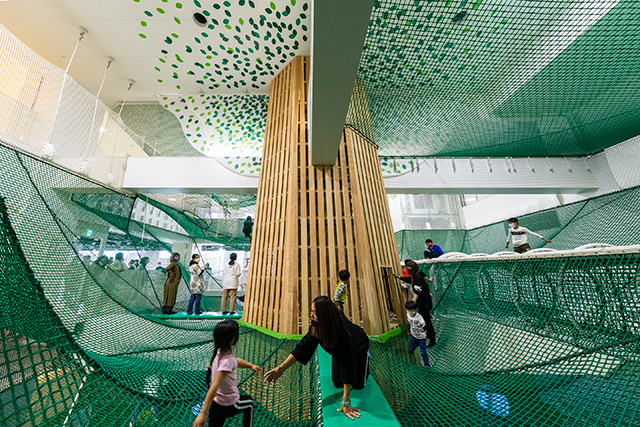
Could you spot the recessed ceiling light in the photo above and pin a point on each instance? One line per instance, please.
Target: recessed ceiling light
(200, 19)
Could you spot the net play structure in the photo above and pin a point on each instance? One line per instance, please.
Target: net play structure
(79, 344)
(551, 339)
(494, 78)
(603, 219)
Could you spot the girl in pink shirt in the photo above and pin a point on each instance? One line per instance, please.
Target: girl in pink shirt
(223, 398)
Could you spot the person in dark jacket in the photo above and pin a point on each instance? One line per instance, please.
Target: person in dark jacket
(421, 295)
(247, 227)
(347, 344)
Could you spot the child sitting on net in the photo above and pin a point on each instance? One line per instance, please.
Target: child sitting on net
(418, 335)
(223, 398)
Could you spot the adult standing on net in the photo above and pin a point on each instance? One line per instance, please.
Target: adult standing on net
(519, 237)
(418, 282)
(347, 344)
(247, 227)
(171, 284)
(230, 283)
(196, 285)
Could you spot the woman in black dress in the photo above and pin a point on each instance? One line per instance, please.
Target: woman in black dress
(347, 344)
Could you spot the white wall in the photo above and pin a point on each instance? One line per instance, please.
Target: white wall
(616, 168)
(499, 207)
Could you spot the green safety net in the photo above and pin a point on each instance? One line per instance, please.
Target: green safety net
(228, 231)
(523, 342)
(499, 78)
(79, 346)
(235, 200)
(605, 219)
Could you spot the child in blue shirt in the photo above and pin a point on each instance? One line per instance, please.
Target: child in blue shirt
(433, 251)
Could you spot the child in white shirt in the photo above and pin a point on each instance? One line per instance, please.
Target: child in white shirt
(418, 334)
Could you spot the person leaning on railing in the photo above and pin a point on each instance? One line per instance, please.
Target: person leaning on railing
(519, 237)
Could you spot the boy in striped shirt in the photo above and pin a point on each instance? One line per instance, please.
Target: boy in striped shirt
(518, 235)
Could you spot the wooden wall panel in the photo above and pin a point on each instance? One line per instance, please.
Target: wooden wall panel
(313, 221)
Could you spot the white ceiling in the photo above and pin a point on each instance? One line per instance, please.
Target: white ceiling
(51, 29)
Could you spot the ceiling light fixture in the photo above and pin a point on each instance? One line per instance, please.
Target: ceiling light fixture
(200, 19)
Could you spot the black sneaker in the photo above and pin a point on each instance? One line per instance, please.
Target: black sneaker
(232, 313)
(225, 312)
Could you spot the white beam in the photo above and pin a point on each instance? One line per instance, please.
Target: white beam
(338, 31)
(453, 176)
(495, 176)
(200, 175)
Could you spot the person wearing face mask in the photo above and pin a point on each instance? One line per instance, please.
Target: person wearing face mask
(347, 344)
(519, 237)
(418, 334)
(433, 251)
(171, 285)
(196, 285)
(422, 296)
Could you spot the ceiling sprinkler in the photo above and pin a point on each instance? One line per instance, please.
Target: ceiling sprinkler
(48, 150)
(85, 166)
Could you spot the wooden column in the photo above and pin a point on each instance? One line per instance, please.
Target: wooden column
(313, 221)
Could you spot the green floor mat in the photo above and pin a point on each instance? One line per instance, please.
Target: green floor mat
(203, 315)
(374, 409)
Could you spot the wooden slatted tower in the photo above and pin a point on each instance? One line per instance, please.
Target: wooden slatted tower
(313, 221)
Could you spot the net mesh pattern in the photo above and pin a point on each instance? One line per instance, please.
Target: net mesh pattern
(80, 346)
(545, 342)
(520, 342)
(603, 219)
(498, 77)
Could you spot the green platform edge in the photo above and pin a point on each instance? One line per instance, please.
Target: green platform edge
(374, 408)
(183, 315)
(376, 338)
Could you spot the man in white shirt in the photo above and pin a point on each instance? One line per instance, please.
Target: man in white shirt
(518, 235)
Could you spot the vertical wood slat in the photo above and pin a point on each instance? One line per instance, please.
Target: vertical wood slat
(354, 284)
(370, 316)
(269, 241)
(304, 281)
(312, 221)
(281, 220)
(372, 200)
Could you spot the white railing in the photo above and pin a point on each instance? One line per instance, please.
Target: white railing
(591, 249)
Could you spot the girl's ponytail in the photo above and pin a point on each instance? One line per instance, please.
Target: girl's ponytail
(209, 373)
(233, 258)
(224, 335)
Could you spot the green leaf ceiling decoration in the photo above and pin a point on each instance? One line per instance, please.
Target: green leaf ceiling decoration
(218, 125)
(231, 59)
(243, 45)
